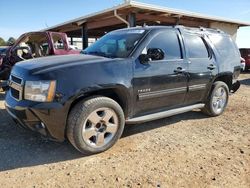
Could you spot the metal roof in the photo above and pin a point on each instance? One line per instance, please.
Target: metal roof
(145, 11)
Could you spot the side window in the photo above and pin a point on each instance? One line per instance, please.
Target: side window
(58, 42)
(195, 46)
(168, 42)
(225, 46)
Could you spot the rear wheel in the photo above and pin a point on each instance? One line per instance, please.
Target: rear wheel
(95, 124)
(217, 100)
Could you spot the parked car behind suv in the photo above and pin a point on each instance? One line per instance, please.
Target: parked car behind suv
(245, 53)
(33, 45)
(128, 76)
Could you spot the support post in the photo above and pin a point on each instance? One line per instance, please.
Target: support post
(84, 36)
(131, 18)
(71, 40)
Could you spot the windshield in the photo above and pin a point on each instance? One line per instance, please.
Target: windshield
(117, 44)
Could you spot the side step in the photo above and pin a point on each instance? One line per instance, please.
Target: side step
(164, 114)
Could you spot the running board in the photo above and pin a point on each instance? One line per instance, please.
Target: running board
(164, 114)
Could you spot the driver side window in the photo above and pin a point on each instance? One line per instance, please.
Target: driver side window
(168, 42)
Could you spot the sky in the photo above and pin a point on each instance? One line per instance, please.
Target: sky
(18, 16)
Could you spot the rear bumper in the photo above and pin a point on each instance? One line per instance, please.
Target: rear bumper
(47, 119)
(235, 86)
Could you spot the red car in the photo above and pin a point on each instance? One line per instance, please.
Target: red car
(33, 45)
(245, 53)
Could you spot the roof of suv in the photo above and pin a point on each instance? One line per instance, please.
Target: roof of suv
(189, 29)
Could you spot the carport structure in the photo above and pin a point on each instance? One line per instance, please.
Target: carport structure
(131, 14)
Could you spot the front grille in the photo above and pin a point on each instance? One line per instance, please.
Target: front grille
(16, 87)
(15, 93)
(16, 79)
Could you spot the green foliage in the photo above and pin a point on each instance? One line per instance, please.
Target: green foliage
(2, 42)
(11, 41)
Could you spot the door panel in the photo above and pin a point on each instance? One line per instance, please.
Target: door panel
(157, 86)
(199, 81)
(201, 67)
(160, 84)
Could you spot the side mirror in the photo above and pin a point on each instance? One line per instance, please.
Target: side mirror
(144, 59)
(153, 54)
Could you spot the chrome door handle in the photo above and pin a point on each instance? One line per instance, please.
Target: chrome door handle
(211, 67)
(179, 70)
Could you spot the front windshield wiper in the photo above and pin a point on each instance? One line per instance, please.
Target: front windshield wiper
(98, 53)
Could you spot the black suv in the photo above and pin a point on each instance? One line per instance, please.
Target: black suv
(128, 76)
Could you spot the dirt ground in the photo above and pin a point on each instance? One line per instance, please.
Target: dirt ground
(188, 150)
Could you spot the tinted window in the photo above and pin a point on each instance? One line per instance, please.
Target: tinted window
(225, 46)
(168, 42)
(195, 46)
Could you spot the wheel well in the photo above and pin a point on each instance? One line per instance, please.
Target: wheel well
(110, 93)
(226, 79)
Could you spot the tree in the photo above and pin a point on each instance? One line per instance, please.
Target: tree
(11, 41)
(2, 42)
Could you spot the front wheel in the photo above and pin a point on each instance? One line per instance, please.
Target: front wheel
(217, 100)
(95, 124)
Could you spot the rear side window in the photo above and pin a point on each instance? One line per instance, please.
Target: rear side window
(195, 46)
(168, 42)
(225, 46)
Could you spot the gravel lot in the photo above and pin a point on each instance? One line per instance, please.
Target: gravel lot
(188, 150)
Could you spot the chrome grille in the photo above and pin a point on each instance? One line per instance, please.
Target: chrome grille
(16, 87)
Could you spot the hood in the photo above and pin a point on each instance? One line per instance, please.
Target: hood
(54, 62)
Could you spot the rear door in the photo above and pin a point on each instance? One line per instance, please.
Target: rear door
(201, 67)
(157, 85)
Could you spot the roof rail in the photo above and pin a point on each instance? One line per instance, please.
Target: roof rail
(202, 28)
(178, 26)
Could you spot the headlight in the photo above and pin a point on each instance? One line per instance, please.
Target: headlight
(40, 91)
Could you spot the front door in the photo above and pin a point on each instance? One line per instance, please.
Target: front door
(160, 84)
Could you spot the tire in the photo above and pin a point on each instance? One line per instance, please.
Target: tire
(217, 100)
(95, 124)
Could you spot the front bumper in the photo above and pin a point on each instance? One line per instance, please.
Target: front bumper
(49, 119)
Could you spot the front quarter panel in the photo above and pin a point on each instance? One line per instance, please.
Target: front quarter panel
(78, 81)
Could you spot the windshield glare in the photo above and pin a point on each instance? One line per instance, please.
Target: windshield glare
(116, 44)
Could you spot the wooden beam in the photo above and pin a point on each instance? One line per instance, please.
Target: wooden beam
(104, 23)
(153, 18)
(131, 18)
(68, 29)
(85, 41)
(172, 20)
